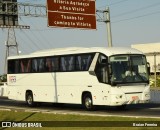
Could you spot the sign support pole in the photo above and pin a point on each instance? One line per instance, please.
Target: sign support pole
(10, 44)
(155, 69)
(109, 33)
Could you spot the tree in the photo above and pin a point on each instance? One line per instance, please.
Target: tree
(3, 78)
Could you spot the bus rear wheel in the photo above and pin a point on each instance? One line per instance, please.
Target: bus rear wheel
(87, 102)
(29, 99)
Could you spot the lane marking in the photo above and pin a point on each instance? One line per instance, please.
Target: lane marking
(156, 108)
(5, 109)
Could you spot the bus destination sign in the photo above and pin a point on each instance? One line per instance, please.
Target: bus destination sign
(71, 13)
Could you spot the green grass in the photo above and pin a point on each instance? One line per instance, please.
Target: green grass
(37, 116)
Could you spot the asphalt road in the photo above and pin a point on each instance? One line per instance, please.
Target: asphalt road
(135, 110)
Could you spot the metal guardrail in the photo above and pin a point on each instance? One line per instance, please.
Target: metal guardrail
(155, 95)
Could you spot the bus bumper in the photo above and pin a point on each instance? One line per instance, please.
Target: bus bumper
(117, 100)
(136, 102)
(118, 103)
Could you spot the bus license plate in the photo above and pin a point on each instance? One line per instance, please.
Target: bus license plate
(135, 98)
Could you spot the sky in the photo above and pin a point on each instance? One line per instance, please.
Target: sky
(132, 22)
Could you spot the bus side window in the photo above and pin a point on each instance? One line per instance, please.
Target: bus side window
(38, 65)
(88, 62)
(25, 65)
(41, 65)
(48, 64)
(52, 64)
(55, 64)
(13, 66)
(83, 62)
(67, 63)
(63, 64)
(78, 63)
(71, 61)
(34, 65)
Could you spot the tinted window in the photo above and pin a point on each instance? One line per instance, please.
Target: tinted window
(52, 64)
(83, 62)
(67, 63)
(25, 65)
(38, 65)
(78, 62)
(102, 69)
(13, 66)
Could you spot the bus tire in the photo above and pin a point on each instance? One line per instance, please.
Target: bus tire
(29, 99)
(88, 102)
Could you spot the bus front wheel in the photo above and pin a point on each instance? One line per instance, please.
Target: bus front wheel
(29, 99)
(87, 102)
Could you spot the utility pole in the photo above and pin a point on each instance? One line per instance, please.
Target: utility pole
(109, 33)
(155, 69)
(106, 19)
(11, 46)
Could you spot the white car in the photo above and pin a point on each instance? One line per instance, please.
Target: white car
(3, 90)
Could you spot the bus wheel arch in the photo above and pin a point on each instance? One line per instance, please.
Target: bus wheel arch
(29, 98)
(87, 101)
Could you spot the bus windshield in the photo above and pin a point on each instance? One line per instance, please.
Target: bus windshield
(128, 69)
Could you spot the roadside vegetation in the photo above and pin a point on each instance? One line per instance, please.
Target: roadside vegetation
(3, 78)
(41, 117)
(152, 81)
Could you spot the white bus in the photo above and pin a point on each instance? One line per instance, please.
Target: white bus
(87, 76)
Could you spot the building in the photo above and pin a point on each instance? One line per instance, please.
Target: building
(152, 51)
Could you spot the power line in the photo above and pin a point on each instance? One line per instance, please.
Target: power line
(112, 4)
(23, 48)
(136, 10)
(35, 36)
(119, 2)
(140, 16)
(32, 41)
(46, 41)
(41, 37)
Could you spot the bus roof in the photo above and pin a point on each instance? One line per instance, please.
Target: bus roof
(76, 50)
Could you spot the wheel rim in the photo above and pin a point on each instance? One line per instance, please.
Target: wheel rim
(88, 103)
(29, 99)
